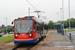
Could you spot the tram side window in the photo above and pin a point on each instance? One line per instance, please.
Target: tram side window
(45, 27)
(41, 27)
(38, 28)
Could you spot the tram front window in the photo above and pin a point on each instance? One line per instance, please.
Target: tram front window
(23, 26)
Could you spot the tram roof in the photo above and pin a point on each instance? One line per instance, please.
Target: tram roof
(37, 19)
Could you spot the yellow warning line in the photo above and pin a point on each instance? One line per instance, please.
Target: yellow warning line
(45, 39)
(48, 34)
(48, 38)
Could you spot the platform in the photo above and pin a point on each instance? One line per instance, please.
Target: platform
(53, 36)
(59, 40)
(58, 36)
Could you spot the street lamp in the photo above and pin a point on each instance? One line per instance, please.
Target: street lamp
(63, 12)
(58, 16)
(69, 15)
(69, 18)
(6, 25)
(60, 13)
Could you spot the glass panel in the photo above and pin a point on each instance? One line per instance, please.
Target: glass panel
(23, 26)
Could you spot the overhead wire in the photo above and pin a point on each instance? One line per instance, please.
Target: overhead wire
(32, 5)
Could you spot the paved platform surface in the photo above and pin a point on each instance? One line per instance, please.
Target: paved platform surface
(59, 40)
(58, 36)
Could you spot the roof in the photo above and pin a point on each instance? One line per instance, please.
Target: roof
(58, 24)
(37, 19)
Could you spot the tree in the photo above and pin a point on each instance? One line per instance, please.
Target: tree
(9, 28)
(65, 24)
(51, 24)
(0, 30)
(59, 22)
(72, 22)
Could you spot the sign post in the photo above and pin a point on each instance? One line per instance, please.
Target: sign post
(43, 33)
(3, 31)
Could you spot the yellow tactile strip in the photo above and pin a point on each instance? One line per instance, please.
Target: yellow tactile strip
(47, 40)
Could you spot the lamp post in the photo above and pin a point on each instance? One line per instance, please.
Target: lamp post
(58, 16)
(69, 18)
(69, 15)
(63, 12)
(60, 13)
(6, 25)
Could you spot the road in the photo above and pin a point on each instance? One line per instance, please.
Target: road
(7, 34)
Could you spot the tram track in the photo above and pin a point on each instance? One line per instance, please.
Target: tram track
(26, 46)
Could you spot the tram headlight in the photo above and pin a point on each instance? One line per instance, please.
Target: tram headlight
(16, 35)
(30, 34)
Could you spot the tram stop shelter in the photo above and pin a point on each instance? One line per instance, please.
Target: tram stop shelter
(59, 28)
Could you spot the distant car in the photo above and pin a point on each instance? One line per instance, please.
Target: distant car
(1, 34)
(11, 32)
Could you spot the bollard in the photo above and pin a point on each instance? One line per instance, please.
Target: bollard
(70, 36)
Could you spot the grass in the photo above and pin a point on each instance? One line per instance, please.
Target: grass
(7, 38)
(71, 30)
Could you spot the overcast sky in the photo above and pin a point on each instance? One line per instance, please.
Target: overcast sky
(12, 9)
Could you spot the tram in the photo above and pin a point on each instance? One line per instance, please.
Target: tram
(28, 29)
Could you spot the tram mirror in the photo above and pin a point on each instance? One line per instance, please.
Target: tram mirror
(31, 31)
(12, 22)
(35, 22)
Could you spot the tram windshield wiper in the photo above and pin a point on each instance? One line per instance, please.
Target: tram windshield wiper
(29, 30)
(17, 30)
(20, 26)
